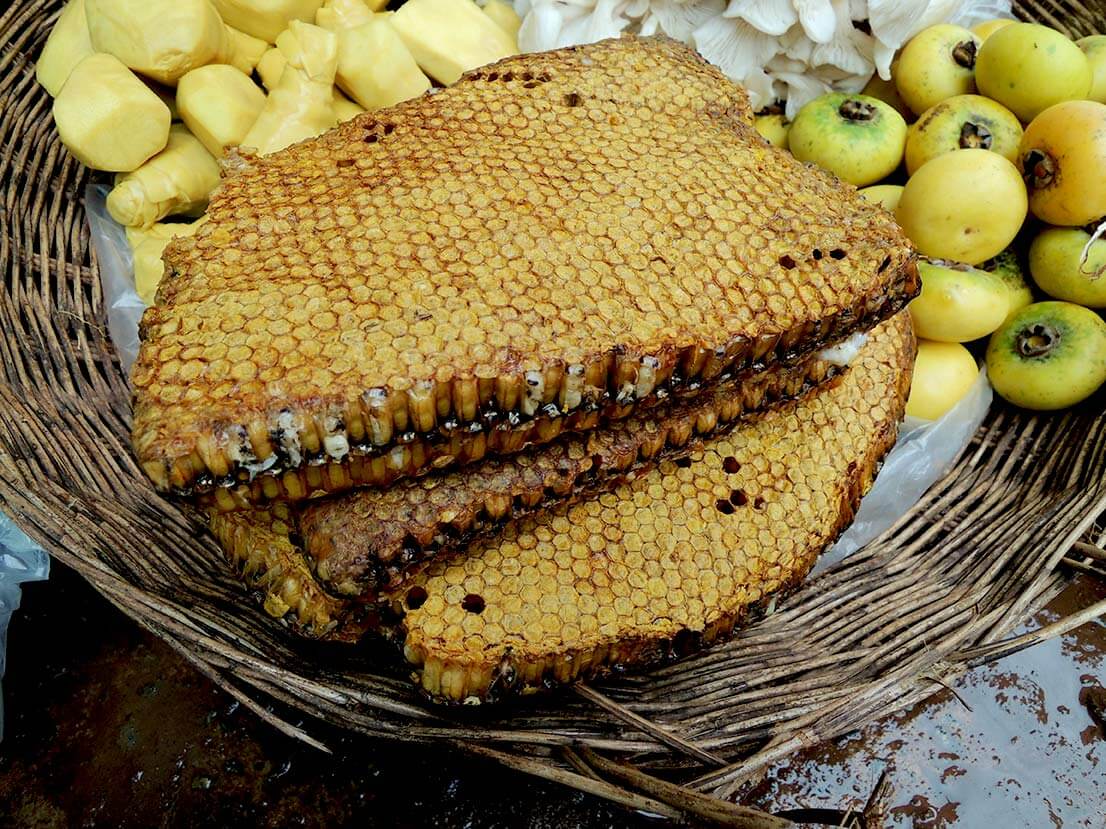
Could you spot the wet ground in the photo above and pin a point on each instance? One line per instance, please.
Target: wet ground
(105, 726)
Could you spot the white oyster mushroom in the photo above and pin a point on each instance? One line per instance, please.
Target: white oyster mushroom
(817, 19)
(796, 45)
(937, 11)
(782, 63)
(541, 27)
(741, 52)
(678, 18)
(801, 89)
(850, 48)
(773, 17)
(883, 55)
(605, 20)
(894, 22)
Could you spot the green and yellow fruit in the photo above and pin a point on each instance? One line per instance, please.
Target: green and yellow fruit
(857, 138)
(963, 122)
(1009, 270)
(1051, 355)
(957, 304)
(1057, 265)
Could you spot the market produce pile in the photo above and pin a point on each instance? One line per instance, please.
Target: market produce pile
(547, 365)
(1002, 161)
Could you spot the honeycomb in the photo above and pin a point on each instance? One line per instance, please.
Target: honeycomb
(539, 248)
(262, 548)
(672, 559)
(668, 561)
(373, 539)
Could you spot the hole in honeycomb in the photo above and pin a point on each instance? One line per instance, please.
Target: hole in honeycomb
(372, 138)
(738, 498)
(885, 264)
(787, 262)
(817, 254)
(837, 253)
(683, 463)
(492, 76)
(389, 129)
(473, 603)
(344, 162)
(573, 99)
(508, 76)
(724, 506)
(415, 598)
(758, 503)
(731, 465)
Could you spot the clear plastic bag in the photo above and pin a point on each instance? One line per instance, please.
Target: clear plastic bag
(21, 560)
(924, 453)
(113, 255)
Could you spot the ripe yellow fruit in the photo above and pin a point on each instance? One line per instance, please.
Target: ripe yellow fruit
(773, 129)
(937, 63)
(943, 373)
(957, 304)
(1027, 68)
(988, 27)
(885, 195)
(1094, 47)
(1063, 155)
(965, 206)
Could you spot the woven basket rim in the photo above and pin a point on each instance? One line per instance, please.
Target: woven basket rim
(939, 592)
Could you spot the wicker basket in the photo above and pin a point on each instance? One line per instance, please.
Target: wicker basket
(938, 593)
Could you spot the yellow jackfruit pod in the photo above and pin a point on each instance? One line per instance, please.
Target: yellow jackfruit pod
(450, 37)
(219, 104)
(167, 94)
(375, 68)
(108, 118)
(147, 247)
(161, 39)
(178, 180)
(301, 105)
(271, 67)
(246, 50)
(67, 45)
(336, 15)
(266, 19)
(344, 108)
(504, 16)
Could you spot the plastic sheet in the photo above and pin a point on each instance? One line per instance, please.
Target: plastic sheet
(21, 560)
(925, 452)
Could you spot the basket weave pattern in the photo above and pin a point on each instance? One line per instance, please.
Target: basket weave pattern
(938, 593)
